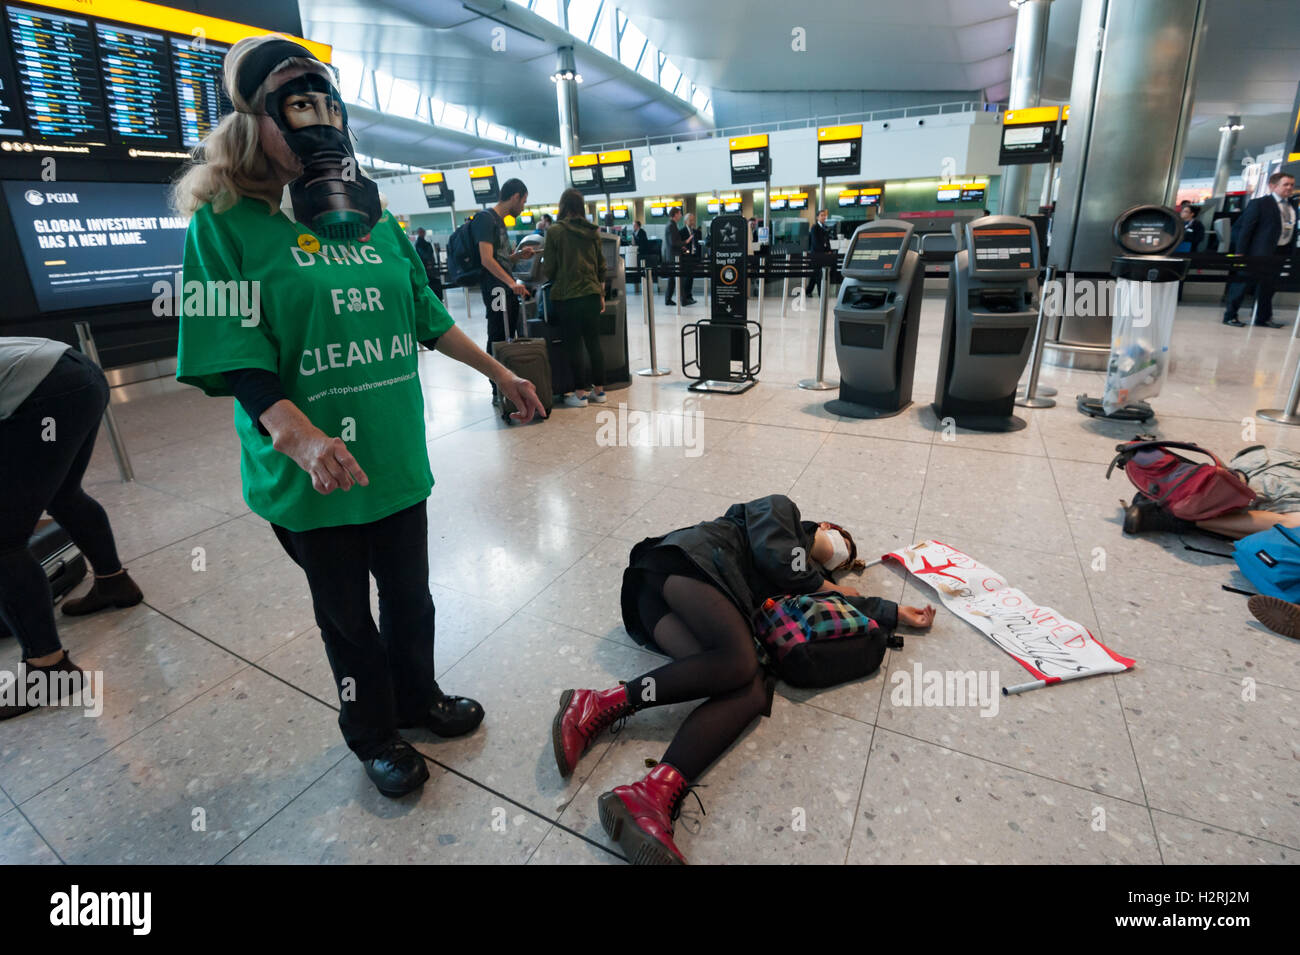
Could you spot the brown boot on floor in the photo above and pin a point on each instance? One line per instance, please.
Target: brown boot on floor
(1280, 616)
(118, 590)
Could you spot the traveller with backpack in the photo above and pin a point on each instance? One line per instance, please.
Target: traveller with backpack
(1255, 500)
(695, 595)
(1260, 487)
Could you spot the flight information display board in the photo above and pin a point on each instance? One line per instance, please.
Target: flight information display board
(199, 91)
(483, 183)
(113, 78)
(839, 150)
(616, 171)
(54, 55)
(584, 174)
(750, 161)
(95, 243)
(11, 117)
(1002, 248)
(436, 192)
(138, 92)
(1028, 135)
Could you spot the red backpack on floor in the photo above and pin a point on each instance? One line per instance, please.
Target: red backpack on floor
(1187, 490)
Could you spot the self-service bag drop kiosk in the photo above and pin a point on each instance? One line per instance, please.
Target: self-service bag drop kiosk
(988, 324)
(877, 316)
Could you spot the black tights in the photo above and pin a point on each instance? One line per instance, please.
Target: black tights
(714, 658)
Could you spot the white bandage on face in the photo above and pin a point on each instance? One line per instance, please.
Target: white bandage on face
(839, 549)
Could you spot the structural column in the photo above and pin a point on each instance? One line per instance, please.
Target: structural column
(1123, 149)
(566, 80)
(1026, 83)
(1223, 165)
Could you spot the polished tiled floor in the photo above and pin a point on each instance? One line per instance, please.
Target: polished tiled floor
(218, 740)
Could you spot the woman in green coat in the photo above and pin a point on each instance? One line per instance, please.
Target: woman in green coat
(574, 264)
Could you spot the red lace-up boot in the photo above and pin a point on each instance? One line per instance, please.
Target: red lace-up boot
(640, 817)
(582, 716)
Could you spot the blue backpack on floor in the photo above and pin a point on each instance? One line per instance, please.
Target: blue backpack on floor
(1271, 561)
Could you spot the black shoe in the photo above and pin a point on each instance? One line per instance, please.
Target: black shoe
(1145, 516)
(1269, 325)
(449, 716)
(397, 769)
(689, 301)
(1234, 323)
(669, 304)
(71, 683)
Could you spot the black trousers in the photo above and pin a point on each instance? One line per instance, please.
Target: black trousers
(690, 266)
(1263, 297)
(45, 446)
(680, 281)
(580, 326)
(500, 306)
(385, 675)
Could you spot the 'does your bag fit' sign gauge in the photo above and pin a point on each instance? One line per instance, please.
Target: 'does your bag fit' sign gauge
(1050, 646)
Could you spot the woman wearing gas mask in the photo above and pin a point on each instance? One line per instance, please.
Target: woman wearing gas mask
(321, 357)
(692, 595)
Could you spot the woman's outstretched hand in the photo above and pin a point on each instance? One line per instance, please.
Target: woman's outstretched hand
(523, 394)
(917, 617)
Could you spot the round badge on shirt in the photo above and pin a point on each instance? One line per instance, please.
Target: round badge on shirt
(309, 243)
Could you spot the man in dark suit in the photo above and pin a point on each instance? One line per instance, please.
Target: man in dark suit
(1267, 227)
(819, 242)
(672, 249)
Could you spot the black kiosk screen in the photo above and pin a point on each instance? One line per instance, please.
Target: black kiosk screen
(1002, 249)
(876, 251)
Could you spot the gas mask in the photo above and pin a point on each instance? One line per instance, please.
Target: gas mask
(332, 197)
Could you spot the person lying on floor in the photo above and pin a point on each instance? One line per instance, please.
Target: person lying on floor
(1272, 473)
(692, 595)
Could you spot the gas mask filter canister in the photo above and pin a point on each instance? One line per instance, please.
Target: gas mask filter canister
(331, 197)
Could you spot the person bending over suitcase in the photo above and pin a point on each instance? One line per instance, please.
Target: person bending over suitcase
(52, 398)
(691, 595)
(325, 374)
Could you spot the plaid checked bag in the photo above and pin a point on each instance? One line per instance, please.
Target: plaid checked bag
(816, 640)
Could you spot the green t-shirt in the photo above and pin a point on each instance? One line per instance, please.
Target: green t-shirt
(339, 323)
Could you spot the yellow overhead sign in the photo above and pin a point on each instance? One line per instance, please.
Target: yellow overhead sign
(583, 159)
(431, 177)
(618, 155)
(749, 142)
(834, 133)
(1034, 114)
(482, 172)
(173, 21)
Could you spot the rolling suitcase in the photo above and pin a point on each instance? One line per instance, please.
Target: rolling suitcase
(527, 358)
(62, 561)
